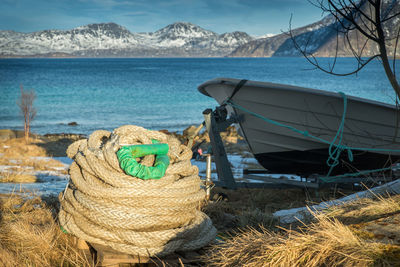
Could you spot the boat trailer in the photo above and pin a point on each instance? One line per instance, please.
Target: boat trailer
(217, 121)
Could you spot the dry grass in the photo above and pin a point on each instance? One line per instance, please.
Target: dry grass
(29, 232)
(365, 209)
(36, 164)
(30, 235)
(15, 152)
(325, 242)
(17, 177)
(17, 147)
(254, 207)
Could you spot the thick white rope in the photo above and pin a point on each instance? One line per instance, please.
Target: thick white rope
(103, 205)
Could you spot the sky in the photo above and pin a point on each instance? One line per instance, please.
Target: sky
(256, 17)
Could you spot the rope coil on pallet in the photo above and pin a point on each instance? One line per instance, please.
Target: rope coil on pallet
(104, 205)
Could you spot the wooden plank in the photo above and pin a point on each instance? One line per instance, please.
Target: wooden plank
(107, 256)
(84, 250)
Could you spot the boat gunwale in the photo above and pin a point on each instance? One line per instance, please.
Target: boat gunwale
(277, 86)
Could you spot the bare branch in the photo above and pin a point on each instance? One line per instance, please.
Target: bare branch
(391, 17)
(352, 21)
(383, 51)
(388, 10)
(363, 47)
(394, 53)
(362, 14)
(336, 52)
(313, 61)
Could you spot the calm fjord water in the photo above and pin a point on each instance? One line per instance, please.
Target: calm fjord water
(156, 93)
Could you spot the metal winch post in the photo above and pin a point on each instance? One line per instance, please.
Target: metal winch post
(213, 127)
(208, 176)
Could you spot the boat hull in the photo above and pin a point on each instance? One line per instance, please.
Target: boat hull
(309, 162)
(367, 124)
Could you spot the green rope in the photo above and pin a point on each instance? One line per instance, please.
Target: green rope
(63, 230)
(336, 149)
(335, 146)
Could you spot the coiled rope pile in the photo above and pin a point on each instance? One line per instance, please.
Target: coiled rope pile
(103, 205)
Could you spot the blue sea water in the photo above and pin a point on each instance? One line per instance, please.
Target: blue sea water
(156, 93)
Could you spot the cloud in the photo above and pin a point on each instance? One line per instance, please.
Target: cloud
(109, 3)
(137, 13)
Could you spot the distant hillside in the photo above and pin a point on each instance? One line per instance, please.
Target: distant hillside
(320, 38)
(112, 40)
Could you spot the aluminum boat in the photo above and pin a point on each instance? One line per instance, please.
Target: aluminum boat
(284, 125)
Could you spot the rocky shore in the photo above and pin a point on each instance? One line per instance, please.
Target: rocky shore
(57, 144)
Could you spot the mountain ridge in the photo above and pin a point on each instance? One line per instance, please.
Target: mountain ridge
(185, 39)
(110, 39)
(320, 38)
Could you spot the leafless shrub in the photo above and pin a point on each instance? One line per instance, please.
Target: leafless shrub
(27, 109)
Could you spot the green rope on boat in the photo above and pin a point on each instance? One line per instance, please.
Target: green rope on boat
(336, 149)
(335, 146)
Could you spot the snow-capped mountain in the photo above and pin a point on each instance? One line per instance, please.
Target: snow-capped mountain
(180, 34)
(110, 39)
(320, 38)
(93, 36)
(282, 45)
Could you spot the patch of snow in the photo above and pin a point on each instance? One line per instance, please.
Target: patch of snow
(6, 167)
(49, 173)
(267, 35)
(60, 168)
(293, 215)
(238, 164)
(64, 160)
(50, 187)
(53, 181)
(49, 183)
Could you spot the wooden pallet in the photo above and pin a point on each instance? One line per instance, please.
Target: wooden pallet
(85, 251)
(101, 255)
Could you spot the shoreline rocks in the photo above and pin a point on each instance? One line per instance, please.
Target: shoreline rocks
(6, 134)
(57, 143)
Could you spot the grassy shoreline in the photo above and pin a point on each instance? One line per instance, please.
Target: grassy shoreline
(362, 233)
